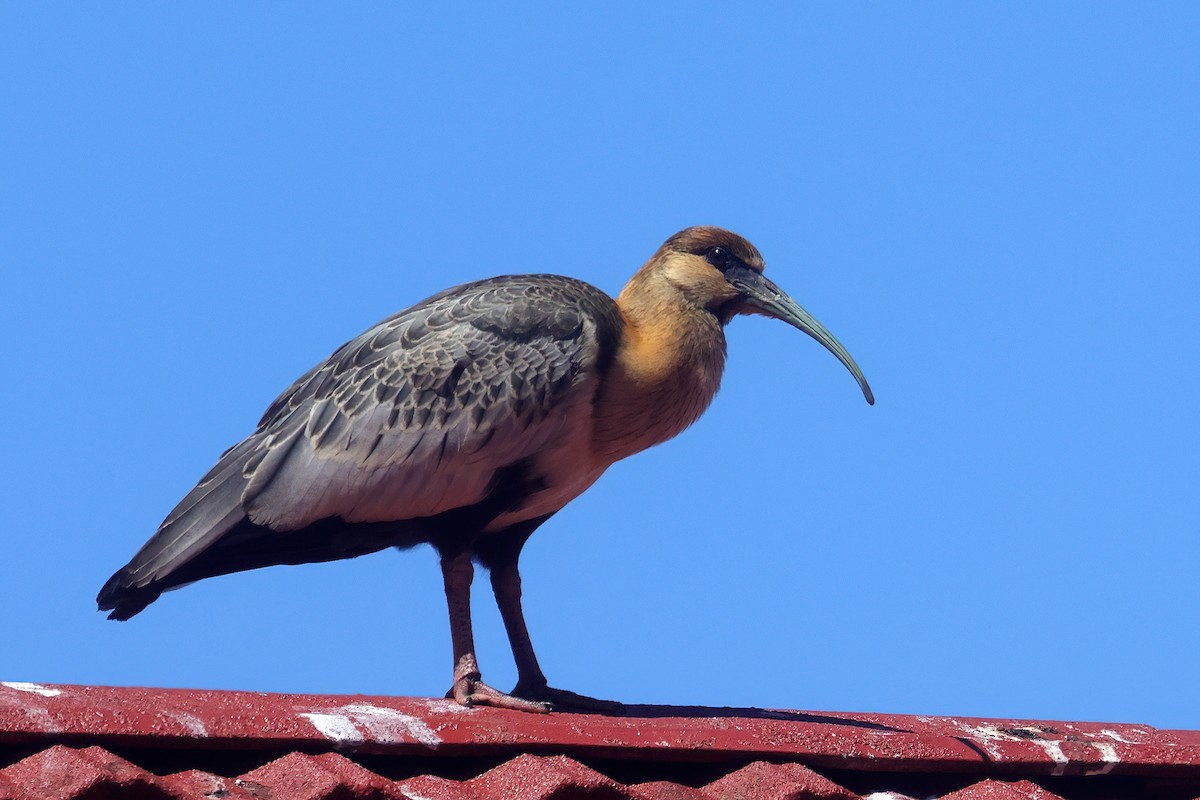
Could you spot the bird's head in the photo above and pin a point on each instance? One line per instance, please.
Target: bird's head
(722, 272)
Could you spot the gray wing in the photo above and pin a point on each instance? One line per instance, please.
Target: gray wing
(412, 418)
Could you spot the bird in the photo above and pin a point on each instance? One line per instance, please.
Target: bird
(465, 422)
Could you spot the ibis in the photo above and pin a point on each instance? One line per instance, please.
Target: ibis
(465, 422)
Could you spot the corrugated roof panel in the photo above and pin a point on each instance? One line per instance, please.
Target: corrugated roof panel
(778, 782)
(95, 742)
(996, 790)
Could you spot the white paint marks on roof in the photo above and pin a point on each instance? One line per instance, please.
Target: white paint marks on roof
(22, 686)
(359, 721)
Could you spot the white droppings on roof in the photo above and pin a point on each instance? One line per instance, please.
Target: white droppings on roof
(336, 727)
(358, 721)
(1053, 749)
(1108, 753)
(31, 708)
(404, 790)
(1116, 737)
(989, 734)
(194, 725)
(446, 706)
(22, 686)
(390, 726)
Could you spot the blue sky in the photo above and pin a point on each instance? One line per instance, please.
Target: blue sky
(995, 207)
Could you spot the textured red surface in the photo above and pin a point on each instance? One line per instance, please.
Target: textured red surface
(83, 742)
(994, 790)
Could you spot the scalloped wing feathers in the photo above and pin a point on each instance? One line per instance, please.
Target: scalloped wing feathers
(410, 419)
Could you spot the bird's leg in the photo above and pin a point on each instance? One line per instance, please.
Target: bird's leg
(469, 688)
(506, 583)
(531, 682)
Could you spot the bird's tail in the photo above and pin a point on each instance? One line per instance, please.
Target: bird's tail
(206, 514)
(248, 546)
(122, 599)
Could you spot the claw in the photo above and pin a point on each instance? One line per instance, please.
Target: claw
(563, 700)
(470, 691)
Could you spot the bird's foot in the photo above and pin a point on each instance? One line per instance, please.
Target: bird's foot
(563, 700)
(470, 690)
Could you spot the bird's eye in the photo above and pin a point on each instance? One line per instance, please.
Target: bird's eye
(717, 256)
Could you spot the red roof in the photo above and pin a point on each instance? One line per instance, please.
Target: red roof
(92, 742)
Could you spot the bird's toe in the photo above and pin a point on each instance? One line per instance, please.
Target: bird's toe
(470, 692)
(564, 700)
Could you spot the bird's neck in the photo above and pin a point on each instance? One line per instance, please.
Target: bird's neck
(666, 370)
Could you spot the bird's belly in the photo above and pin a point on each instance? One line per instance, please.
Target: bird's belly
(563, 475)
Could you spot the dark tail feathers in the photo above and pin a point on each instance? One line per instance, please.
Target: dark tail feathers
(248, 546)
(123, 600)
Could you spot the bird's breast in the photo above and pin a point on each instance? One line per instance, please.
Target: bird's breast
(664, 376)
(659, 382)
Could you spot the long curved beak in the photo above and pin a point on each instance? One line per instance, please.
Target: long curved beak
(763, 295)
